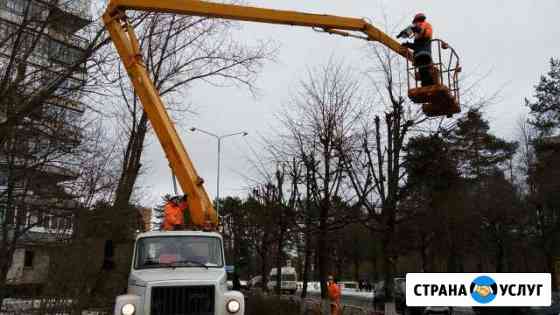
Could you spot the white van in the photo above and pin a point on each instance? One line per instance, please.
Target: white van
(289, 280)
(349, 286)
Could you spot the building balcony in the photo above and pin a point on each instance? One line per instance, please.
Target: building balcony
(75, 13)
(69, 39)
(10, 16)
(59, 172)
(78, 8)
(52, 171)
(72, 14)
(68, 103)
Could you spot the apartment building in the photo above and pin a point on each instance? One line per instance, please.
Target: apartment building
(49, 35)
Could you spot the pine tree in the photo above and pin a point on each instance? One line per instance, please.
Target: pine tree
(545, 110)
(478, 152)
(158, 212)
(482, 157)
(433, 191)
(430, 166)
(542, 168)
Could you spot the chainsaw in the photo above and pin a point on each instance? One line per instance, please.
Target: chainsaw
(408, 32)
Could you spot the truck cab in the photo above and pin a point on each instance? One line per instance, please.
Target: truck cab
(288, 282)
(179, 272)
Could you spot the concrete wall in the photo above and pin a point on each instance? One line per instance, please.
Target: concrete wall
(37, 273)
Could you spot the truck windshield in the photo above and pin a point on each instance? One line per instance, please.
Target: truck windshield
(285, 277)
(288, 277)
(178, 251)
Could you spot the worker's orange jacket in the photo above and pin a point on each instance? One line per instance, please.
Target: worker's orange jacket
(334, 296)
(426, 31)
(173, 215)
(334, 292)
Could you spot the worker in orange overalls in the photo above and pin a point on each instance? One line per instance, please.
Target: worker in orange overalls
(423, 30)
(175, 211)
(334, 296)
(422, 47)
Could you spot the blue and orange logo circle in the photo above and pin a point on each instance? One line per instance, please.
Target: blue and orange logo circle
(483, 289)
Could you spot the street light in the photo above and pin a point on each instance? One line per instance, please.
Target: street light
(219, 138)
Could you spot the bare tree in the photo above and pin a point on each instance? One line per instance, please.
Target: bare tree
(319, 121)
(260, 206)
(374, 165)
(286, 201)
(178, 51)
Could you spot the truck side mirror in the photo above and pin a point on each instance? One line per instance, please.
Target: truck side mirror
(230, 269)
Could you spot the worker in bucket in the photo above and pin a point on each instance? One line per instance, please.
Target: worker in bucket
(175, 213)
(422, 46)
(334, 296)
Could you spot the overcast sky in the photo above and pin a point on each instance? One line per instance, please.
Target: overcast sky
(511, 41)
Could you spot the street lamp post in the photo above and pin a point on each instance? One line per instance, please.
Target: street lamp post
(219, 138)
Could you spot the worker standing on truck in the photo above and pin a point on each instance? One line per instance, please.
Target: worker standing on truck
(175, 211)
(422, 46)
(334, 296)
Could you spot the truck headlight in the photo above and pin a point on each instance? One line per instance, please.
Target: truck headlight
(128, 309)
(233, 306)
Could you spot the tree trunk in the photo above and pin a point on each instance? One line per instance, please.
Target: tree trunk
(279, 255)
(306, 266)
(264, 277)
(4, 268)
(552, 270)
(308, 241)
(264, 262)
(424, 258)
(500, 256)
(131, 163)
(10, 222)
(322, 255)
(387, 250)
(454, 261)
(387, 266)
(356, 269)
(374, 259)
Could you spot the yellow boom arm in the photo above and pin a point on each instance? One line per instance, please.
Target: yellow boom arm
(126, 43)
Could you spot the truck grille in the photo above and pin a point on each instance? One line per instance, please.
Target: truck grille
(188, 300)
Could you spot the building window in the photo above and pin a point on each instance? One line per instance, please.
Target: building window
(61, 52)
(3, 209)
(44, 222)
(3, 178)
(31, 220)
(16, 6)
(53, 223)
(7, 33)
(20, 7)
(28, 259)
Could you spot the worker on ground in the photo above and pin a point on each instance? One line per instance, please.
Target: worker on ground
(175, 213)
(334, 296)
(422, 46)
